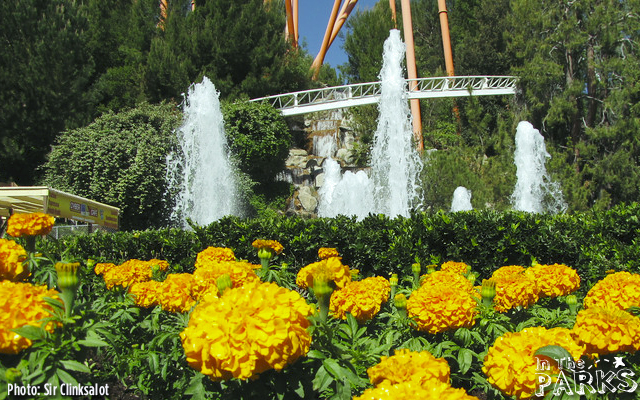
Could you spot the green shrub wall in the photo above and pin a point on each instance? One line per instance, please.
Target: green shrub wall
(591, 242)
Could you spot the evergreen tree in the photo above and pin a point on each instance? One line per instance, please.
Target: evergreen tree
(579, 67)
(239, 45)
(44, 72)
(120, 34)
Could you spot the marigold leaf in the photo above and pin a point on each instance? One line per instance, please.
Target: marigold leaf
(72, 365)
(554, 352)
(30, 332)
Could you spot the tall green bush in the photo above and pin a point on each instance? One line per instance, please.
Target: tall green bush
(258, 137)
(590, 242)
(119, 159)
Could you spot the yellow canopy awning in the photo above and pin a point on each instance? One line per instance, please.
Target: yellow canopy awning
(28, 199)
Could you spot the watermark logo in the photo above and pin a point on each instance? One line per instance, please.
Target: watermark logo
(604, 376)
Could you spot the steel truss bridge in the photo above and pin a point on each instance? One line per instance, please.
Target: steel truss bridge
(358, 94)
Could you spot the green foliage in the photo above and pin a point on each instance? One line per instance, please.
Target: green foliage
(591, 242)
(119, 160)
(259, 139)
(44, 72)
(239, 45)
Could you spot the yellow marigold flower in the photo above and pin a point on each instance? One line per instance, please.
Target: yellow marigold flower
(508, 270)
(12, 257)
(213, 254)
(360, 298)
(510, 364)
(438, 307)
(406, 365)
(448, 278)
(206, 276)
(555, 280)
(514, 289)
(330, 269)
(434, 390)
(326, 252)
(607, 330)
(101, 268)
(272, 245)
(131, 271)
(32, 224)
(22, 304)
(620, 290)
(145, 294)
(455, 266)
(247, 331)
(175, 293)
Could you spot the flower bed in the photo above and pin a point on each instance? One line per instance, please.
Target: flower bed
(247, 323)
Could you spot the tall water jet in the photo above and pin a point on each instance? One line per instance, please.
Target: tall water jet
(534, 191)
(200, 171)
(392, 188)
(461, 200)
(395, 162)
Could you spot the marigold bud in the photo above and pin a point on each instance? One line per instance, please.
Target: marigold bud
(393, 281)
(67, 275)
(415, 268)
(13, 375)
(488, 291)
(224, 282)
(400, 301)
(572, 302)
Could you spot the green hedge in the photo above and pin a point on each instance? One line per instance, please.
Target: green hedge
(590, 242)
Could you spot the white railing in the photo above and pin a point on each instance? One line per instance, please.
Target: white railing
(368, 93)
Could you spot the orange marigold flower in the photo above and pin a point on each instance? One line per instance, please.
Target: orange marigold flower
(434, 390)
(101, 268)
(406, 365)
(22, 304)
(607, 330)
(360, 298)
(145, 294)
(326, 252)
(32, 224)
(514, 289)
(554, 280)
(455, 266)
(247, 331)
(212, 254)
(330, 269)
(272, 245)
(175, 293)
(437, 307)
(448, 278)
(510, 363)
(12, 257)
(620, 290)
(507, 270)
(130, 272)
(206, 276)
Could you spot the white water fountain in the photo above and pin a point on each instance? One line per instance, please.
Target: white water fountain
(200, 171)
(392, 188)
(534, 191)
(461, 200)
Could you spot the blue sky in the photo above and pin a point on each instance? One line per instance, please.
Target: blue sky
(313, 16)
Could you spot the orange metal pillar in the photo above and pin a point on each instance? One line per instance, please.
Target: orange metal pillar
(392, 6)
(295, 21)
(317, 62)
(290, 33)
(346, 9)
(412, 71)
(446, 39)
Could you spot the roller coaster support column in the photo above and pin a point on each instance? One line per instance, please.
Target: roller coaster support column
(412, 72)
